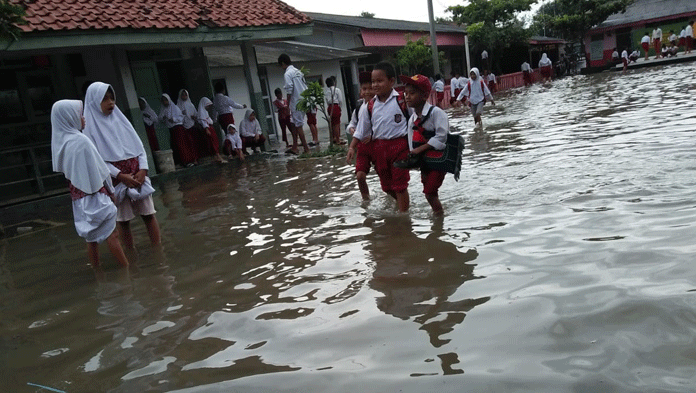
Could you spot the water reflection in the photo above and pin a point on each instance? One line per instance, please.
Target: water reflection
(418, 276)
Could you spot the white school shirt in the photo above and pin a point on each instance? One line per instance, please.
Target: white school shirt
(477, 94)
(437, 122)
(484, 54)
(387, 120)
(526, 66)
(439, 86)
(615, 55)
(682, 34)
(673, 37)
(235, 140)
(689, 31)
(354, 117)
(333, 95)
(491, 77)
(657, 34)
(224, 104)
(624, 54)
(635, 53)
(454, 82)
(645, 39)
(294, 85)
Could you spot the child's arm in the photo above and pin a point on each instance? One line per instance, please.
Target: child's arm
(441, 124)
(233, 104)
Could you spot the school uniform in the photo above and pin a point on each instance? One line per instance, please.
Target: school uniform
(682, 37)
(645, 43)
(232, 140)
(624, 57)
(456, 85)
(190, 113)
(435, 121)
(363, 154)
(657, 40)
(74, 155)
(120, 147)
(634, 56)
(526, 73)
(294, 86)
(492, 82)
(439, 87)
(223, 107)
(149, 120)
(209, 136)
(249, 130)
(172, 117)
(476, 92)
(283, 110)
(334, 99)
(689, 31)
(387, 127)
(545, 66)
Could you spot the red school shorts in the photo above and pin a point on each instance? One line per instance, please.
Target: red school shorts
(363, 157)
(646, 46)
(335, 111)
(385, 153)
(311, 119)
(432, 180)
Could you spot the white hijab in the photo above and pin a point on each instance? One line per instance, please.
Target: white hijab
(171, 113)
(149, 115)
(72, 152)
(247, 127)
(475, 71)
(187, 109)
(113, 135)
(544, 61)
(203, 115)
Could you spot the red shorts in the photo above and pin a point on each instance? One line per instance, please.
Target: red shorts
(646, 46)
(363, 157)
(311, 119)
(335, 111)
(545, 71)
(385, 153)
(682, 41)
(432, 180)
(225, 119)
(625, 61)
(440, 96)
(689, 42)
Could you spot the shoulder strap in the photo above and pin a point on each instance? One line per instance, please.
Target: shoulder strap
(370, 105)
(402, 104)
(427, 115)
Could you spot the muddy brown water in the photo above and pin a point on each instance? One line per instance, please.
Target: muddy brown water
(566, 262)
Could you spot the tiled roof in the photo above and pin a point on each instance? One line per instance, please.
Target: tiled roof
(43, 15)
(649, 11)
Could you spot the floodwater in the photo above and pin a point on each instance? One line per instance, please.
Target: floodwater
(565, 263)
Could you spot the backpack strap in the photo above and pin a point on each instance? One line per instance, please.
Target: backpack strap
(402, 105)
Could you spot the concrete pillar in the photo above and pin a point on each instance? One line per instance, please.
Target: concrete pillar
(251, 75)
(356, 78)
(468, 59)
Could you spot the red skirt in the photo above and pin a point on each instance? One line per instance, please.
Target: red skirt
(682, 41)
(545, 71)
(646, 46)
(225, 120)
(183, 145)
(152, 137)
(211, 144)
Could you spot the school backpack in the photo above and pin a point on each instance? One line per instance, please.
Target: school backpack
(468, 88)
(447, 160)
(399, 100)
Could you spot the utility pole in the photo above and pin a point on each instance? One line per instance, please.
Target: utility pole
(433, 39)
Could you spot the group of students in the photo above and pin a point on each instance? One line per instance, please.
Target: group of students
(395, 132)
(684, 40)
(191, 129)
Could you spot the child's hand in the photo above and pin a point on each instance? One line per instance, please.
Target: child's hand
(140, 176)
(128, 180)
(350, 155)
(351, 130)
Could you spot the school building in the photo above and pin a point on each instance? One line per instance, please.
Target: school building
(625, 30)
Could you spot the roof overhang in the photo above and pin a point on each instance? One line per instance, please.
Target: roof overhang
(202, 36)
(267, 53)
(391, 38)
(605, 27)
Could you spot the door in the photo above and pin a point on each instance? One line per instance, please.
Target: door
(147, 85)
(268, 104)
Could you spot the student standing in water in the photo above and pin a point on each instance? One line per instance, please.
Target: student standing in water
(294, 86)
(121, 148)
(363, 158)
(89, 181)
(334, 99)
(545, 67)
(476, 93)
(211, 144)
(184, 150)
(189, 122)
(149, 119)
(283, 110)
(383, 120)
(439, 87)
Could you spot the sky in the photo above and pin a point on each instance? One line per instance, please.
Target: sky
(387, 9)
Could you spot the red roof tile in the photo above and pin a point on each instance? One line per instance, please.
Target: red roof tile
(45, 15)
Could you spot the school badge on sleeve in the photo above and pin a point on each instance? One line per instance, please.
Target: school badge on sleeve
(397, 118)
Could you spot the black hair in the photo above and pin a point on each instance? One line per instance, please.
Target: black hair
(387, 67)
(284, 59)
(277, 90)
(219, 87)
(330, 82)
(85, 86)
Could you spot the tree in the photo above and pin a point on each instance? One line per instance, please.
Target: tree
(366, 14)
(493, 24)
(571, 19)
(313, 99)
(11, 16)
(416, 57)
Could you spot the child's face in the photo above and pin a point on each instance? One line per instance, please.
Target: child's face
(209, 107)
(472, 74)
(184, 95)
(164, 101)
(366, 91)
(381, 84)
(413, 96)
(108, 103)
(252, 117)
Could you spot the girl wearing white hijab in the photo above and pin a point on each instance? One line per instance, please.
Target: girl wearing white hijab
(149, 119)
(187, 109)
(476, 92)
(211, 143)
(75, 156)
(233, 143)
(250, 132)
(121, 148)
(545, 67)
(181, 141)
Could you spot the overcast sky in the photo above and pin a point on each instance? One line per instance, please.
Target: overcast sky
(387, 9)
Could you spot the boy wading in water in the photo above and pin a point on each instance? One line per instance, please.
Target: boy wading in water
(427, 135)
(363, 158)
(383, 121)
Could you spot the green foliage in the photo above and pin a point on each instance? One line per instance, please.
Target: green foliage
(416, 56)
(366, 14)
(313, 99)
(571, 19)
(11, 16)
(331, 151)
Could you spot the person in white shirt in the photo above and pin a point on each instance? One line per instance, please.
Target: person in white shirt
(545, 67)
(526, 73)
(484, 59)
(334, 100)
(476, 92)
(384, 121)
(633, 57)
(624, 59)
(657, 42)
(682, 38)
(492, 82)
(673, 38)
(363, 157)
(689, 31)
(181, 141)
(645, 43)
(456, 85)
(439, 87)
(615, 56)
(224, 105)
(294, 86)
